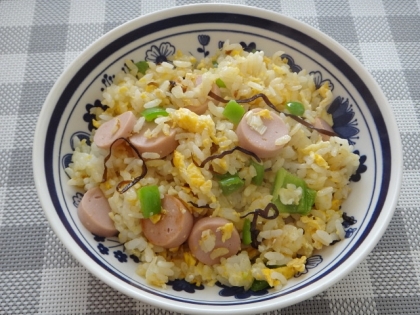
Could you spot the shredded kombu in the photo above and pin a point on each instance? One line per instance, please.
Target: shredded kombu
(224, 153)
(271, 105)
(125, 185)
(263, 213)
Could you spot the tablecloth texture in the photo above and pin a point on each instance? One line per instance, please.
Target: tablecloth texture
(39, 38)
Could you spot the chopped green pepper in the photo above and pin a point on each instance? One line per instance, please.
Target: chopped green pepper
(259, 168)
(142, 66)
(306, 201)
(150, 202)
(246, 232)
(220, 83)
(230, 183)
(151, 114)
(233, 111)
(295, 108)
(259, 285)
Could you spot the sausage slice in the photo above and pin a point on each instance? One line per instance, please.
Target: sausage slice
(264, 145)
(161, 144)
(212, 238)
(118, 127)
(201, 109)
(322, 124)
(93, 212)
(174, 226)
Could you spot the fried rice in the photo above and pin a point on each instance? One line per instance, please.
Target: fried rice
(284, 243)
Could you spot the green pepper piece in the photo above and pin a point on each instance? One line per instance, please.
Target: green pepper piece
(306, 201)
(220, 83)
(230, 184)
(259, 168)
(150, 114)
(142, 66)
(150, 202)
(259, 285)
(233, 111)
(246, 232)
(295, 108)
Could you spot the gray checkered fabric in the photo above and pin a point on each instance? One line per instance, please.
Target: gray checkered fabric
(39, 38)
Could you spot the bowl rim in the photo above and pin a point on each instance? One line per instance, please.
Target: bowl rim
(84, 259)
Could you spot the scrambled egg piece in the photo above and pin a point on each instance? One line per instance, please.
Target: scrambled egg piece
(312, 224)
(192, 122)
(298, 264)
(156, 218)
(123, 89)
(192, 175)
(335, 204)
(319, 160)
(323, 90)
(226, 231)
(95, 123)
(265, 113)
(189, 259)
(288, 271)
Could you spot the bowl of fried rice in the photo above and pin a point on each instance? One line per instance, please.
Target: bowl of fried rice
(217, 159)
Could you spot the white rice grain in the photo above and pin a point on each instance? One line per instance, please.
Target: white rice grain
(150, 155)
(282, 140)
(323, 237)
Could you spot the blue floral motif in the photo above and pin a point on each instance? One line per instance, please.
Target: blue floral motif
(239, 292)
(204, 40)
(66, 160)
(343, 117)
(291, 62)
(182, 285)
(251, 47)
(361, 169)
(107, 80)
(99, 238)
(319, 81)
(311, 263)
(348, 220)
(349, 232)
(103, 249)
(135, 258)
(160, 54)
(77, 198)
(120, 256)
(89, 117)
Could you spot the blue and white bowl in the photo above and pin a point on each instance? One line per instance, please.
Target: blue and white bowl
(360, 112)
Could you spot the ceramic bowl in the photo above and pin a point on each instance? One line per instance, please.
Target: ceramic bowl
(360, 112)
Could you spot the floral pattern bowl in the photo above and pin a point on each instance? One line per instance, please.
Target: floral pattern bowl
(360, 112)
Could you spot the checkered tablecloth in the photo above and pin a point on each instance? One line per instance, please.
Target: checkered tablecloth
(39, 38)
